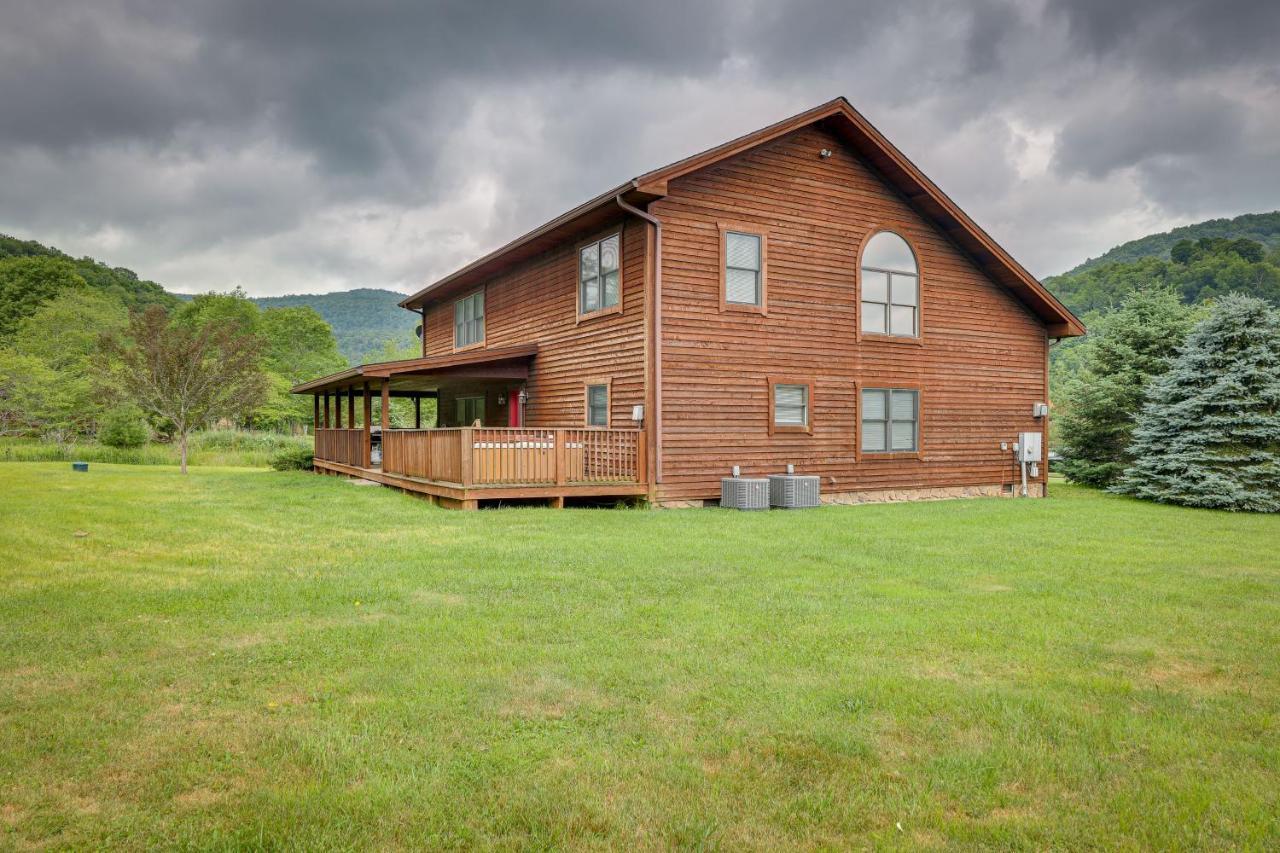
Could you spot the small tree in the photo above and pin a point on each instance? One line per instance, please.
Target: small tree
(191, 375)
(1125, 351)
(1209, 435)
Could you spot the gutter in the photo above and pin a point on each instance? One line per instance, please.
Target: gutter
(657, 329)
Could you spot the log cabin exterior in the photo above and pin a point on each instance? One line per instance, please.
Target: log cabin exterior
(801, 295)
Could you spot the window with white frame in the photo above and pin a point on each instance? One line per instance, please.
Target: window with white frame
(890, 420)
(598, 275)
(468, 320)
(598, 405)
(890, 287)
(742, 265)
(470, 410)
(790, 405)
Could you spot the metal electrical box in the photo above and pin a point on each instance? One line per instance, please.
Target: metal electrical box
(1029, 447)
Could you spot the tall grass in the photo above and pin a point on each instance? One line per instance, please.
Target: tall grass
(214, 447)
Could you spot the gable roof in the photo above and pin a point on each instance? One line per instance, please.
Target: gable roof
(838, 116)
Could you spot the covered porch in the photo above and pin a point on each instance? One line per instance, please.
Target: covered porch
(477, 449)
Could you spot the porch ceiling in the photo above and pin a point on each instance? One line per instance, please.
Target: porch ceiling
(427, 374)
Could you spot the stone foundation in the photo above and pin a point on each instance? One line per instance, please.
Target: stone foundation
(1034, 490)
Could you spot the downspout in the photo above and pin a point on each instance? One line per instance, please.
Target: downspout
(657, 330)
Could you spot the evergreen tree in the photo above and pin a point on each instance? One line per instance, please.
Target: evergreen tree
(1209, 435)
(1124, 352)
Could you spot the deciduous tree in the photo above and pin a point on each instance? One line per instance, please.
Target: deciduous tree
(190, 374)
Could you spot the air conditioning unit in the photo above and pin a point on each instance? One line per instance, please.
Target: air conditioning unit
(744, 493)
(793, 491)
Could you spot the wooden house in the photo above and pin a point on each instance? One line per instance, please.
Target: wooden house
(801, 295)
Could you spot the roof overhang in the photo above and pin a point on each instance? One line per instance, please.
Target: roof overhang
(838, 116)
(420, 373)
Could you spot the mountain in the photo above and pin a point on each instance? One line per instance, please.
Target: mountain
(362, 320)
(123, 283)
(1263, 228)
(1199, 262)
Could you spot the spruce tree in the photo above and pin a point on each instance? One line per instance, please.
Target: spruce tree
(1124, 352)
(1209, 435)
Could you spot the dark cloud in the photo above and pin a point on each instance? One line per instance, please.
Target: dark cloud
(1144, 129)
(325, 144)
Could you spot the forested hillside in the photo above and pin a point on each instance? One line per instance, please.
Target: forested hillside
(363, 320)
(1199, 269)
(1262, 228)
(32, 273)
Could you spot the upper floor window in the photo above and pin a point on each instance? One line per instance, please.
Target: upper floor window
(468, 320)
(742, 268)
(890, 287)
(599, 278)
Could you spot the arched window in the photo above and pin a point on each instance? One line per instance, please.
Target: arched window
(890, 287)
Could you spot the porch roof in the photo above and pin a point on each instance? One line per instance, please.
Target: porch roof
(501, 363)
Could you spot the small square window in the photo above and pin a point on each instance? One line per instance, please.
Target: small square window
(791, 405)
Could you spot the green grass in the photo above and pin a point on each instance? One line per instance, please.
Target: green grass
(249, 658)
(212, 448)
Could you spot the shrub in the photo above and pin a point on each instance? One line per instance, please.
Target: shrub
(292, 459)
(123, 427)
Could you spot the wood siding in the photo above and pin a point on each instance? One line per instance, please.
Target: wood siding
(536, 301)
(979, 364)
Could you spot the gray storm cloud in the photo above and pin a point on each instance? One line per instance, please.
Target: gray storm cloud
(291, 146)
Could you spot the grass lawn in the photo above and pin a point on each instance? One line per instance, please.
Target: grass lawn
(250, 658)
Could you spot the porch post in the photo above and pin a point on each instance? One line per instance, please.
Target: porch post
(326, 409)
(315, 412)
(417, 411)
(368, 418)
(351, 408)
(337, 408)
(386, 407)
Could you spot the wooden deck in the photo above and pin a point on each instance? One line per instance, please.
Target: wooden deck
(464, 466)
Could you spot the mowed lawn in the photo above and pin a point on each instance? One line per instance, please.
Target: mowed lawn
(244, 658)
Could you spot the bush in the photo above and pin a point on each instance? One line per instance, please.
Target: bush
(292, 459)
(124, 427)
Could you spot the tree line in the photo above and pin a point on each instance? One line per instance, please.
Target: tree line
(1177, 403)
(79, 360)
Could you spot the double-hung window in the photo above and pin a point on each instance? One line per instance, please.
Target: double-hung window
(598, 405)
(890, 420)
(791, 406)
(890, 287)
(743, 269)
(468, 320)
(599, 276)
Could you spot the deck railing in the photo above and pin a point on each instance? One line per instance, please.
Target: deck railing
(484, 456)
(341, 445)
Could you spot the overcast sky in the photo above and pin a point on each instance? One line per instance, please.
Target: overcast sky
(306, 147)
